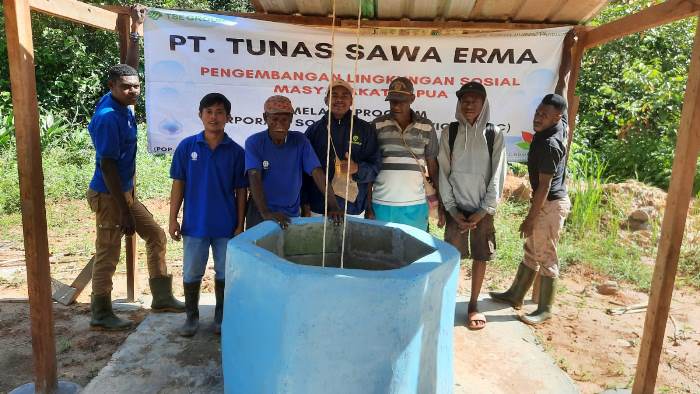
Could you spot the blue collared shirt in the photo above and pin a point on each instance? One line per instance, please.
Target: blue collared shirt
(281, 167)
(211, 177)
(113, 133)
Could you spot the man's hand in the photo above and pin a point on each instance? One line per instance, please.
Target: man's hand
(369, 214)
(126, 222)
(278, 217)
(238, 230)
(305, 211)
(462, 223)
(526, 227)
(348, 165)
(441, 216)
(475, 218)
(138, 14)
(174, 230)
(336, 215)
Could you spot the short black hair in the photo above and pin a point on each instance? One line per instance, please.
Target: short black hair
(556, 101)
(121, 70)
(215, 98)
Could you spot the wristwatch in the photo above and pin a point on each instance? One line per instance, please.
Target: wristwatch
(134, 36)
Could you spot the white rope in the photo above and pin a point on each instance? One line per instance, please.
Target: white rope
(352, 129)
(328, 143)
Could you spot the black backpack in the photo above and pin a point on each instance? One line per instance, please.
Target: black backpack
(490, 136)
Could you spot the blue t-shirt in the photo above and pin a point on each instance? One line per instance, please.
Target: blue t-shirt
(210, 177)
(281, 167)
(113, 133)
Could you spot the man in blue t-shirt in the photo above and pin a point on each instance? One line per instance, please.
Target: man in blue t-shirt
(275, 160)
(208, 172)
(111, 194)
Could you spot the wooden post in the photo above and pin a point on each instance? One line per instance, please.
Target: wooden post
(123, 28)
(20, 50)
(672, 229)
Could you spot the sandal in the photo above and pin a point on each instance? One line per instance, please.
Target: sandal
(476, 321)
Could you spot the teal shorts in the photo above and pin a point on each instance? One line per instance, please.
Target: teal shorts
(412, 215)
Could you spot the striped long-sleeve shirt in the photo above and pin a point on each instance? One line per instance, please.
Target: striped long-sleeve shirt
(400, 182)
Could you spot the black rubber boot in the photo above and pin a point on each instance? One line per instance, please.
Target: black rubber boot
(191, 309)
(544, 305)
(163, 300)
(521, 284)
(103, 318)
(219, 286)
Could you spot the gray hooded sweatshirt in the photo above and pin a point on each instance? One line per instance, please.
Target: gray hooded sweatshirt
(469, 179)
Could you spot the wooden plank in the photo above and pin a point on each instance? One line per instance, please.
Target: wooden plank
(20, 50)
(67, 295)
(77, 11)
(657, 15)
(532, 10)
(672, 229)
(577, 11)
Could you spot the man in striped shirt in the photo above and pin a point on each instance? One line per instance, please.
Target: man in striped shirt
(408, 143)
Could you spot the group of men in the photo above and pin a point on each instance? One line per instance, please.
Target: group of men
(377, 170)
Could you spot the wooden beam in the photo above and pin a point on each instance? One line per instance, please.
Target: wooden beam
(77, 11)
(657, 15)
(123, 29)
(20, 51)
(130, 268)
(672, 229)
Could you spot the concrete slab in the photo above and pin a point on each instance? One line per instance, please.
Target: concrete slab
(504, 357)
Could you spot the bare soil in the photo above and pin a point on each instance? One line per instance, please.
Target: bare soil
(597, 350)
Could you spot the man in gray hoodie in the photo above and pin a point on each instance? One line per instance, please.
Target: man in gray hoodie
(472, 162)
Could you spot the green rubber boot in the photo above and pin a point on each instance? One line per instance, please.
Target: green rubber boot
(103, 318)
(219, 286)
(191, 309)
(544, 305)
(521, 284)
(163, 300)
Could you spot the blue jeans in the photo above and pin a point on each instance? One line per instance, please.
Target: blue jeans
(412, 215)
(196, 255)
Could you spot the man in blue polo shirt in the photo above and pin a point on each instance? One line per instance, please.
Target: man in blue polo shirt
(275, 160)
(111, 194)
(208, 173)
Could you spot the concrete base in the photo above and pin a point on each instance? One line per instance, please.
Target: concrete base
(155, 359)
(504, 357)
(63, 388)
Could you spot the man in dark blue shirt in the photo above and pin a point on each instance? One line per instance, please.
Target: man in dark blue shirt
(111, 194)
(275, 160)
(363, 164)
(208, 172)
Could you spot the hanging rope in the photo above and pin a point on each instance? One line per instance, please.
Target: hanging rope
(352, 129)
(328, 142)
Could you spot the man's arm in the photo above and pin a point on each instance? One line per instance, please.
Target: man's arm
(256, 190)
(241, 197)
(540, 196)
(369, 210)
(110, 174)
(138, 15)
(565, 66)
(177, 194)
(334, 211)
(494, 189)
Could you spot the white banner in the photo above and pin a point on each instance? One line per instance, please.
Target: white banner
(191, 54)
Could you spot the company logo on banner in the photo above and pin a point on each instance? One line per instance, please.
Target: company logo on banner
(191, 54)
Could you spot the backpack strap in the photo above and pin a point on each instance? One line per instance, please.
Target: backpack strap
(454, 126)
(490, 137)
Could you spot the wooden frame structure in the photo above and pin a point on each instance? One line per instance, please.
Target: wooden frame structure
(26, 115)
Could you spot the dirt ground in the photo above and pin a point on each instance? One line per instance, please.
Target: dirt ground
(597, 350)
